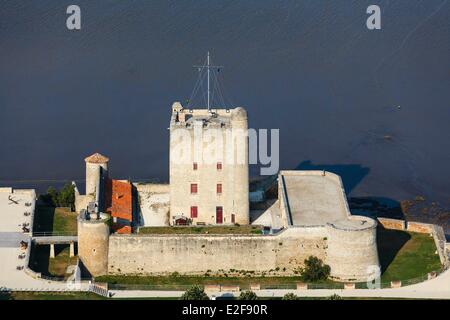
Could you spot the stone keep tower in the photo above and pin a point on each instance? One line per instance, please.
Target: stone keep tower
(209, 178)
(96, 167)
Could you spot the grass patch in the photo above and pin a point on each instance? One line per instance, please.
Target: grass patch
(406, 255)
(184, 281)
(56, 220)
(40, 260)
(58, 266)
(246, 229)
(65, 220)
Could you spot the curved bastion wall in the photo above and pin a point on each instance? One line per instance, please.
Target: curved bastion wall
(317, 198)
(352, 249)
(93, 244)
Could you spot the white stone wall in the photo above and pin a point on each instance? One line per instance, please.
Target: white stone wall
(199, 254)
(154, 204)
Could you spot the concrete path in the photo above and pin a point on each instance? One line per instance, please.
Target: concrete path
(12, 239)
(438, 288)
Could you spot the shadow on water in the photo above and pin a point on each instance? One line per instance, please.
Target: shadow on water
(375, 207)
(351, 174)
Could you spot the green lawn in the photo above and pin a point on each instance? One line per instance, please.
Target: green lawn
(247, 229)
(181, 282)
(406, 255)
(58, 266)
(56, 220)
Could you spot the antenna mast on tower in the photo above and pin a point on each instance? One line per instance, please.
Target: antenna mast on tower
(208, 67)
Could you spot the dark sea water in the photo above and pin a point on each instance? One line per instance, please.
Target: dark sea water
(310, 68)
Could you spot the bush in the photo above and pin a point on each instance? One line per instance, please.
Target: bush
(63, 198)
(51, 197)
(335, 297)
(314, 270)
(194, 293)
(248, 295)
(290, 296)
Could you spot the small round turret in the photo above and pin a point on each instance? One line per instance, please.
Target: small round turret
(93, 243)
(96, 166)
(177, 107)
(239, 113)
(352, 249)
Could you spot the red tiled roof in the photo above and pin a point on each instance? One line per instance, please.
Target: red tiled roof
(120, 229)
(96, 158)
(118, 199)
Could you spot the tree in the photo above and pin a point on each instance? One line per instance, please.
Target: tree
(66, 197)
(314, 270)
(290, 296)
(194, 293)
(52, 196)
(248, 295)
(63, 198)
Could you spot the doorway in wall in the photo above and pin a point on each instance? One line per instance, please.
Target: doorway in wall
(219, 215)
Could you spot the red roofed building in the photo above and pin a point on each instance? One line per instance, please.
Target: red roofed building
(119, 203)
(106, 195)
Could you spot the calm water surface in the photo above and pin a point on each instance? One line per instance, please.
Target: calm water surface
(370, 105)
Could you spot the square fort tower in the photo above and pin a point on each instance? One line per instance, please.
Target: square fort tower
(209, 182)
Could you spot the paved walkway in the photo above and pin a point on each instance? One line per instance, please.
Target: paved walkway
(438, 288)
(12, 239)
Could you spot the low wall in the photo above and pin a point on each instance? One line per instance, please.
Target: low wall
(153, 187)
(419, 227)
(199, 254)
(393, 224)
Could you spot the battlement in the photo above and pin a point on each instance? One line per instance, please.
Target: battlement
(213, 118)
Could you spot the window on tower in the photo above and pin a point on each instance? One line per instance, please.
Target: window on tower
(194, 188)
(219, 165)
(219, 188)
(195, 166)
